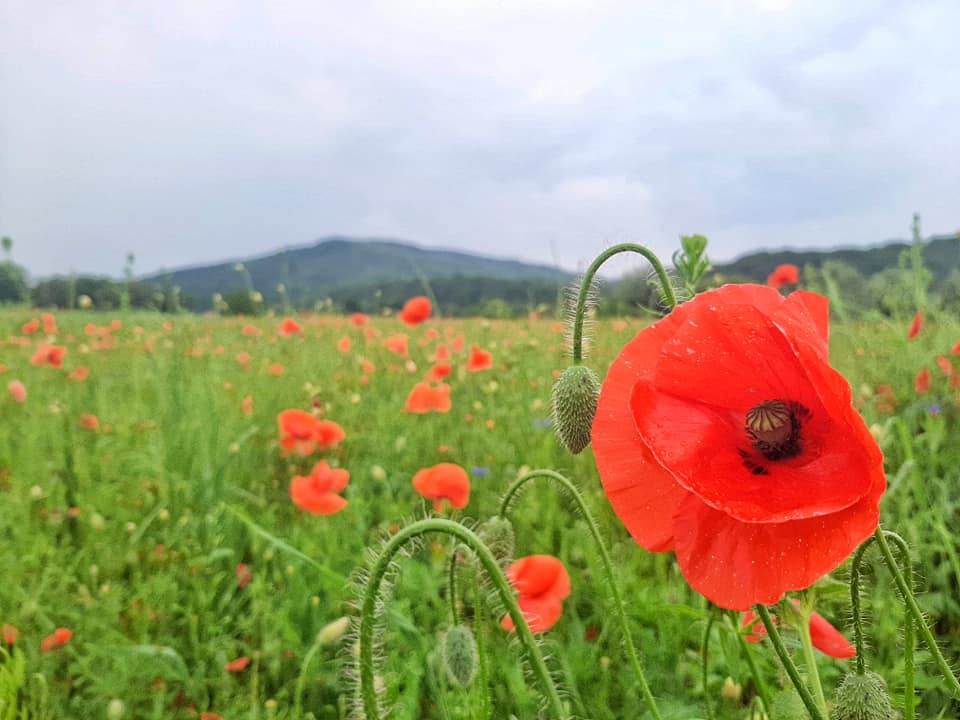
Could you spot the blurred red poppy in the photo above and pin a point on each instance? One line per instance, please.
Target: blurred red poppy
(397, 344)
(445, 481)
(344, 344)
(49, 324)
(244, 575)
(916, 325)
(238, 665)
(921, 384)
(438, 372)
(542, 583)
(10, 634)
(298, 430)
(416, 310)
(479, 359)
(723, 433)
(51, 355)
(317, 492)
(89, 421)
(289, 326)
(29, 328)
(424, 398)
(58, 638)
(79, 374)
(359, 319)
(18, 390)
(783, 275)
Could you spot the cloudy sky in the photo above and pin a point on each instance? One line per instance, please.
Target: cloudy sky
(188, 131)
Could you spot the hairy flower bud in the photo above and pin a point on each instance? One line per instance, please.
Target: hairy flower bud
(459, 651)
(862, 697)
(574, 403)
(497, 534)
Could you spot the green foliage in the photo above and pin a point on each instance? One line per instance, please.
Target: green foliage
(691, 261)
(241, 302)
(13, 286)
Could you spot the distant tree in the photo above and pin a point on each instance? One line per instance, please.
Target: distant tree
(13, 286)
(240, 302)
(55, 292)
(7, 243)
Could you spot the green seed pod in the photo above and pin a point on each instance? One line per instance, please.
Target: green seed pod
(862, 697)
(459, 651)
(497, 535)
(574, 403)
(787, 705)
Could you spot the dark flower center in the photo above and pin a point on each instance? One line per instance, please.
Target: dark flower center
(774, 428)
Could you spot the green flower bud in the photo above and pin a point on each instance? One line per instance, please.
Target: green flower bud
(574, 405)
(787, 705)
(459, 651)
(862, 697)
(497, 535)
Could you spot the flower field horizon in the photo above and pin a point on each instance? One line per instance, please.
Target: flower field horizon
(176, 546)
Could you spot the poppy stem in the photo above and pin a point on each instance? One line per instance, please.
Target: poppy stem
(752, 664)
(855, 604)
(611, 579)
(668, 295)
(452, 584)
(910, 602)
(809, 658)
(479, 632)
(788, 664)
(372, 597)
(705, 665)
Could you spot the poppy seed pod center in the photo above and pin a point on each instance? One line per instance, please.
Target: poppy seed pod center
(774, 427)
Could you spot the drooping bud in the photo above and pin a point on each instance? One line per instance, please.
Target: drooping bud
(862, 697)
(497, 534)
(459, 651)
(787, 705)
(574, 403)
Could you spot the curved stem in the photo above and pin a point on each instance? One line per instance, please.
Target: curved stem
(754, 671)
(705, 665)
(452, 584)
(911, 602)
(479, 631)
(668, 293)
(612, 583)
(372, 593)
(809, 659)
(855, 603)
(788, 665)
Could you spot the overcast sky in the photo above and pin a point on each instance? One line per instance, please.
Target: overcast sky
(189, 131)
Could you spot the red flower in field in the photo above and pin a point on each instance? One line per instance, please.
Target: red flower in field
(89, 421)
(424, 398)
(289, 326)
(17, 391)
(328, 434)
(243, 358)
(29, 328)
(457, 344)
(51, 355)
(58, 638)
(955, 350)
(49, 324)
(244, 575)
(542, 584)
(826, 638)
(921, 384)
(916, 325)
(438, 372)
(317, 492)
(367, 367)
(344, 344)
(246, 405)
(783, 275)
(946, 367)
(275, 369)
(298, 431)
(479, 359)
(416, 310)
(443, 354)
(723, 433)
(397, 344)
(79, 374)
(10, 634)
(359, 319)
(238, 665)
(445, 481)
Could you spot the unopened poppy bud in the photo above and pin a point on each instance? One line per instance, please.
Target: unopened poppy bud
(459, 651)
(332, 632)
(787, 705)
(862, 697)
(574, 404)
(497, 535)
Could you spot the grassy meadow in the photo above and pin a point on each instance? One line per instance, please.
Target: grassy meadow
(146, 509)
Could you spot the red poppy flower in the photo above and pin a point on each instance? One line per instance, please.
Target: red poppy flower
(328, 434)
(921, 384)
(29, 328)
(438, 372)
(244, 575)
(246, 405)
(250, 330)
(238, 665)
(298, 430)
(479, 359)
(18, 390)
(424, 398)
(723, 433)
(946, 367)
(416, 310)
(826, 638)
(49, 324)
(916, 325)
(783, 275)
(243, 357)
(317, 492)
(275, 369)
(289, 326)
(443, 354)
(79, 374)
(89, 421)
(359, 319)
(58, 638)
(51, 355)
(397, 344)
(542, 584)
(344, 344)
(445, 481)
(10, 634)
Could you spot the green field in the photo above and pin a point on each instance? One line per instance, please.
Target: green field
(130, 533)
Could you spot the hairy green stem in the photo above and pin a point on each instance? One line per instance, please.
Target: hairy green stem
(788, 664)
(619, 612)
(762, 690)
(668, 293)
(911, 603)
(809, 658)
(479, 630)
(371, 594)
(452, 585)
(705, 665)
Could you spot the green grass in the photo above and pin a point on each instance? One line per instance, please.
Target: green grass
(179, 486)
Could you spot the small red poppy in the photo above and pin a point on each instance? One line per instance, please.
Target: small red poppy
(946, 367)
(479, 359)
(10, 634)
(289, 326)
(79, 374)
(238, 665)
(317, 492)
(438, 372)
(18, 391)
(89, 421)
(921, 384)
(445, 481)
(424, 398)
(916, 325)
(542, 583)
(783, 275)
(359, 319)
(51, 355)
(244, 575)
(298, 430)
(29, 328)
(416, 310)
(826, 638)
(344, 344)
(723, 433)
(397, 344)
(58, 638)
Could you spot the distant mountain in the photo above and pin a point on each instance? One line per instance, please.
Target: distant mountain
(941, 255)
(318, 271)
